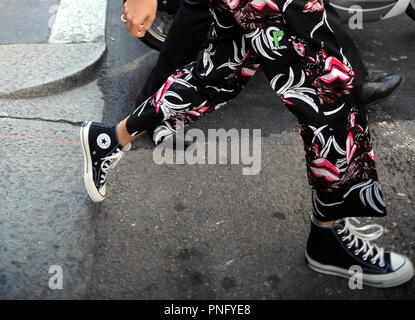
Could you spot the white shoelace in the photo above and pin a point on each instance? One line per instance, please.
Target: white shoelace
(357, 233)
(110, 162)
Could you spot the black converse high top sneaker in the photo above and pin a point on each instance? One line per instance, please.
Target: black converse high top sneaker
(102, 151)
(333, 250)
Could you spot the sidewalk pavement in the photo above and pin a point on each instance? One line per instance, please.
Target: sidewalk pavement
(54, 60)
(46, 219)
(15, 15)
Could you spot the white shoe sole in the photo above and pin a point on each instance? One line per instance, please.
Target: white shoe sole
(88, 176)
(396, 278)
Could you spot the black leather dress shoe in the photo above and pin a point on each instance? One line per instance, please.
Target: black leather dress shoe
(380, 89)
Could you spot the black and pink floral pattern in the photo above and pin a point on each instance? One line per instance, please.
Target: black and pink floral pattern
(314, 6)
(312, 66)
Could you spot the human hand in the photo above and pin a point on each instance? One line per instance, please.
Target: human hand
(139, 16)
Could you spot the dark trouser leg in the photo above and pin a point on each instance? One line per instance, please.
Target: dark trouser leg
(318, 85)
(217, 76)
(314, 79)
(184, 40)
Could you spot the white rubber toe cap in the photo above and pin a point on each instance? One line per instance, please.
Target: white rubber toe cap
(397, 261)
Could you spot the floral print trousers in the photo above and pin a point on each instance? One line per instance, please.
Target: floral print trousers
(298, 48)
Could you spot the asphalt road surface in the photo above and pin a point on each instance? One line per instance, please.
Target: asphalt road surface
(207, 231)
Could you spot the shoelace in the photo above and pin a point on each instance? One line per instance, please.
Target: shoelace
(354, 234)
(110, 162)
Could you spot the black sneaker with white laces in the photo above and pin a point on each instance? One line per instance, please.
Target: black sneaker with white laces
(333, 250)
(102, 151)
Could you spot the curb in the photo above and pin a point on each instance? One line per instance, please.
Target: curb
(38, 70)
(71, 57)
(79, 21)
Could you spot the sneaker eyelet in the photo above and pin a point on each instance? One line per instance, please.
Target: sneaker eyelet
(339, 231)
(364, 258)
(343, 238)
(381, 265)
(95, 163)
(94, 152)
(373, 261)
(356, 252)
(349, 245)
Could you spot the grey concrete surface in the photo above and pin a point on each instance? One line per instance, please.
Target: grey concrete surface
(15, 15)
(46, 218)
(72, 106)
(31, 70)
(206, 232)
(80, 21)
(75, 31)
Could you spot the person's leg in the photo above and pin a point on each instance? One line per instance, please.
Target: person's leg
(323, 80)
(314, 78)
(319, 90)
(217, 76)
(185, 39)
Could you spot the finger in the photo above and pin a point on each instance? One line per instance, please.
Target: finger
(141, 31)
(136, 27)
(148, 23)
(145, 26)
